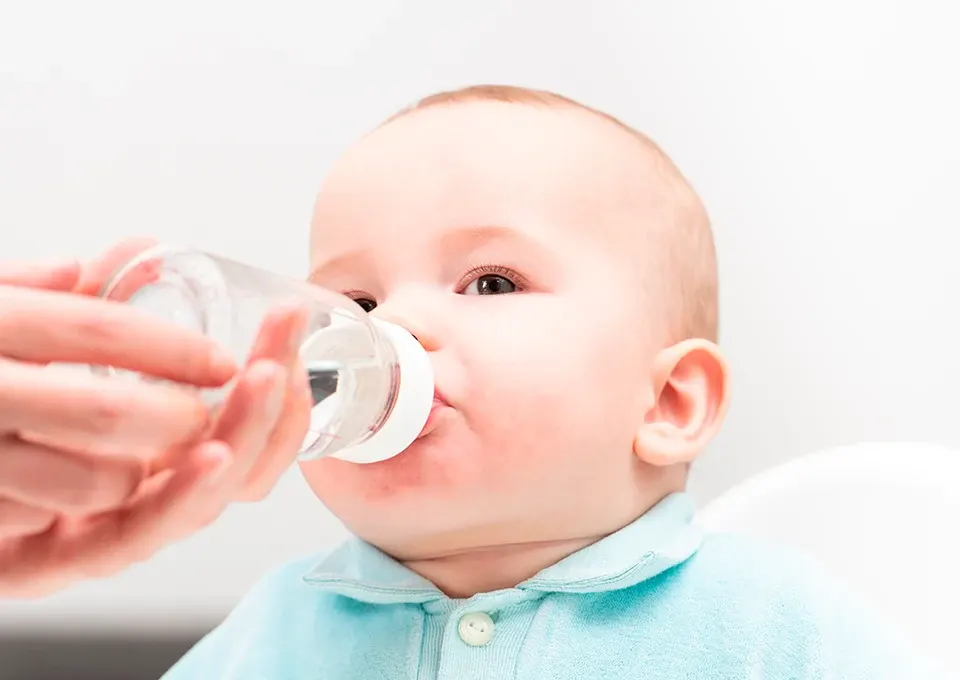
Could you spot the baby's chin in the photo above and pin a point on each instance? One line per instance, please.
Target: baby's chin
(403, 499)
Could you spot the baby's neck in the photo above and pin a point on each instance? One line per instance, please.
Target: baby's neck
(465, 573)
(484, 570)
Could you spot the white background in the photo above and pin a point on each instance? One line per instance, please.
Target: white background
(822, 136)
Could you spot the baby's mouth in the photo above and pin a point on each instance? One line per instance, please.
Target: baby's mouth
(439, 404)
(438, 398)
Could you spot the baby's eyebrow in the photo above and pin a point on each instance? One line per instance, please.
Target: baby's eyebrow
(540, 261)
(342, 265)
(465, 239)
(452, 245)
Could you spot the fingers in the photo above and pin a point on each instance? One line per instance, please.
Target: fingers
(98, 272)
(18, 520)
(278, 344)
(61, 275)
(171, 511)
(102, 545)
(265, 450)
(250, 418)
(133, 280)
(280, 336)
(45, 327)
(80, 411)
(258, 434)
(285, 442)
(66, 483)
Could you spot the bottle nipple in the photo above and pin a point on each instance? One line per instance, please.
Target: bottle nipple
(412, 404)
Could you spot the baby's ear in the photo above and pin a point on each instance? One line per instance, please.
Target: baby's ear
(691, 386)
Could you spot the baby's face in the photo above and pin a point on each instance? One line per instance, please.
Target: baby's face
(509, 240)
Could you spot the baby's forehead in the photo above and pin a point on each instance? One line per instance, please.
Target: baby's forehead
(493, 152)
(547, 171)
(492, 129)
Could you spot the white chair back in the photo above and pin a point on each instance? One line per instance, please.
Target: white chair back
(882, 517)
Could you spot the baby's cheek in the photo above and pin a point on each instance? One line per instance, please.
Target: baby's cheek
(507, 431)
(341, 485)
(434, 465)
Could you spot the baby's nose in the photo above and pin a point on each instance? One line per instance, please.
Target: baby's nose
(414, 311)
(418, 332)
(420, 336)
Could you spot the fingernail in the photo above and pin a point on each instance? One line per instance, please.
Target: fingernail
(219, 460)
(222, 364)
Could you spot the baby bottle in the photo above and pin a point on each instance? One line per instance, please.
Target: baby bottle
(371, 381)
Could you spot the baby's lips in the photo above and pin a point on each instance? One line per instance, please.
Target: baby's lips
(439, 401)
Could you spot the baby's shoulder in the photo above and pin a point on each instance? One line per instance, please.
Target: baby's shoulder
(772, 600)
(766, 580)
(744, 562)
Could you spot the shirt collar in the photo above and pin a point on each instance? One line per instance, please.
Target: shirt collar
(663, 537)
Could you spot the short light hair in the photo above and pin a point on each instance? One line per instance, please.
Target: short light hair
(688, 272)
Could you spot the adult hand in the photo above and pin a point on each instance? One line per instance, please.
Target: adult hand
(49, 544)
(56, 426)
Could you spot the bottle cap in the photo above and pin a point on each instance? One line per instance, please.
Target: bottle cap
(412, 406)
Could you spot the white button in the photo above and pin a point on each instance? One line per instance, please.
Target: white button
(476, 629)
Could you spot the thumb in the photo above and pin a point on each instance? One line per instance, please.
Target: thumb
(58, 275)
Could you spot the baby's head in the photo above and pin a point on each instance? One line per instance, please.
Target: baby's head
(561, 273)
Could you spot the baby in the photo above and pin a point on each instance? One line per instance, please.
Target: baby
(538, 527)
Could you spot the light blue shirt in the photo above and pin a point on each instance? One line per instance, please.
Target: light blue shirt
(657, 600)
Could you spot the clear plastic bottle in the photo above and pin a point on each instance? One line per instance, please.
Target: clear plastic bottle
(372, 382)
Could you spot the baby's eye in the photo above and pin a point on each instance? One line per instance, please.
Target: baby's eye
(490, 284)
(366, 304)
